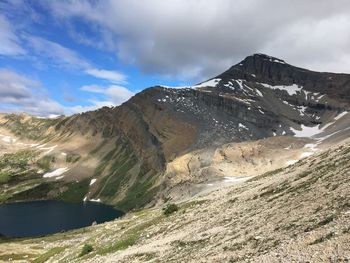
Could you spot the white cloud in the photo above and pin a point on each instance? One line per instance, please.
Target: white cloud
(9, 42)
(321, 45)
(92, 88)
(68, 58)
(15, 86)
(94, 105)
(58, 54)
(19, 93)
(112, 76)
(196, 38)
(118, 94)
(115, 94)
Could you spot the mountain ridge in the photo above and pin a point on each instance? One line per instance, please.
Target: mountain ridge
(134, 150)
(275, 71)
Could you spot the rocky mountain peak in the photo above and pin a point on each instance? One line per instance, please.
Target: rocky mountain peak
(259, 59)
(261, 68)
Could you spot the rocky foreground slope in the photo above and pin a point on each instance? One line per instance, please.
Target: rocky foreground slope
(165, 141)
(297, 214)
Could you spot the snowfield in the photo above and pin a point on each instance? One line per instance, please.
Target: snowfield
(292, 89)
(209, 83)
(56, 172)
(306, 131)
(92, 181)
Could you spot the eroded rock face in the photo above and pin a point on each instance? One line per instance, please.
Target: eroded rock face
(259, 97)
(275, 71)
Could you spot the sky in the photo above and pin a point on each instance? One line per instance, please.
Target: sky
(69, 56)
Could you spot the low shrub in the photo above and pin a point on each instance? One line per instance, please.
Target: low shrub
(169, 209)
(87, 248)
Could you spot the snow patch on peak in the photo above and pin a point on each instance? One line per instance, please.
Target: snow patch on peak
(240, 125)
(292, 89)
(269, 58)
(259, 93)
(209, 83)
(277, 61)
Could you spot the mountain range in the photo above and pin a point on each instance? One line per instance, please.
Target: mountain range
(170, 143)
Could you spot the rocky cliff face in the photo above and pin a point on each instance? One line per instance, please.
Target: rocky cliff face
(259, 97)
(274, 71)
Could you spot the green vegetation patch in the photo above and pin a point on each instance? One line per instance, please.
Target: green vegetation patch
(16, 167)
(4, 197)
(121, 160)
(170, 209)
(87, 248)
(35, 193)
(116, 166)
(139, 194)
(125, 242)
(61, 123)
(15, 257)
(130, 237)
(49, 254)
(18, 161)
(44, 163)
(4, 177)
(75, 192)
(69, 192)
(115, 169)
(29, 127)
(105, 161)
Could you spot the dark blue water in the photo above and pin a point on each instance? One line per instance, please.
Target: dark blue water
(37, 218)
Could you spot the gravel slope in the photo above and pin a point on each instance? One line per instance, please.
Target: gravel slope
(297, 214)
